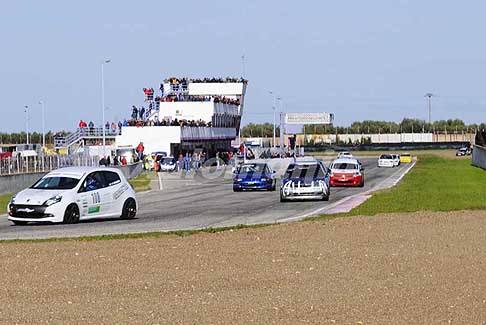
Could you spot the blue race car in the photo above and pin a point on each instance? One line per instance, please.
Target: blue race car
(254, 176)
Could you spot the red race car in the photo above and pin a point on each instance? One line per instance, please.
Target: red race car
(347, 172)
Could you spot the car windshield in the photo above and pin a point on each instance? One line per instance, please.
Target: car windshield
(167, 160)
(386, 157)
(344, 166)
(253, 168)
(55, 183)
(304, 171)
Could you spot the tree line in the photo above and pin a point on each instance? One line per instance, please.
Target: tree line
(407, 125)
(34, 137)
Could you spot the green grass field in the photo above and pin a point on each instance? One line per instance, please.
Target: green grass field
(141, 182)
(4, 199)
(435, 183)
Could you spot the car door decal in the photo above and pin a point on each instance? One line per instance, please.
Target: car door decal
(120, 191)
(95, 196)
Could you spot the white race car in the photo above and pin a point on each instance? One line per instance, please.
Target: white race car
(74, 193)
(345, 154)
(396, 159)
(386, 160)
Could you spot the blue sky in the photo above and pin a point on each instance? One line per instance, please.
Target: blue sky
(356, 59)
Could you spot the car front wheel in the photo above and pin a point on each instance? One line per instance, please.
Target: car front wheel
(71, 215)
(129, 209)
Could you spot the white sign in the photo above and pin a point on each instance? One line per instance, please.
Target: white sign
(308, 118)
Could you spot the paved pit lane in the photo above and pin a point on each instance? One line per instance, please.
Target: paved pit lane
(200, 203)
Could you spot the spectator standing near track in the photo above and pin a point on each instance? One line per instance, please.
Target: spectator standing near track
(187, 162)
(140, 149)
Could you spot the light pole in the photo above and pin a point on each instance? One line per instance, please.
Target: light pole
(26, 110)
(103, 103)
(41, 102)
(274, 111)
(429, 96)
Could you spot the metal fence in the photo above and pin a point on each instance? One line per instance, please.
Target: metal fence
(18, 165)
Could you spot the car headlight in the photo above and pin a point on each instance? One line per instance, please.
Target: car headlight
(238, 179)
(53, 200)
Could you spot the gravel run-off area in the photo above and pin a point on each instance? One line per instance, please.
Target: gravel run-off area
(404, 268)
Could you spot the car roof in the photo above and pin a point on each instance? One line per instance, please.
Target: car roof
(79, 171)
(253, 164)
(345, 161)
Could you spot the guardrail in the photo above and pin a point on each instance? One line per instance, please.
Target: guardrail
(20, 165)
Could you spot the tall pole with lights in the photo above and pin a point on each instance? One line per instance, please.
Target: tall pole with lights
(103, 103)
(41, 102)
(274, 108)
(429, 96)
(26, 111)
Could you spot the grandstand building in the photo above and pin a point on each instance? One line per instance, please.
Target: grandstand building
(188, 115)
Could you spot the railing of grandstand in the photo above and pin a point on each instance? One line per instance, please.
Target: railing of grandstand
(207, 133)
(18, 165)
(89, 133)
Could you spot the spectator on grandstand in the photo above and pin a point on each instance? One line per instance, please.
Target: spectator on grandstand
(134, 112)
(142, 113)
(120, 127)
(107, 126)
(113, 128)
(91, 127)
(82, 126)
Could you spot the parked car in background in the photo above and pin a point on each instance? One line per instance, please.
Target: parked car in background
(345, 154)
(165, 164)
(347, 172)
(464, 151)
(72, 194)
(254, 176)
(386, 160)
(306, 180)
(405, 158)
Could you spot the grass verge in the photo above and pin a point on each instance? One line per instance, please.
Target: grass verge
(141, 182)
(434, 184)
(155, 234)
(4, 199)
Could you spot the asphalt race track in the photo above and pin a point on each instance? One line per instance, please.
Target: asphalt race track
(202, 203)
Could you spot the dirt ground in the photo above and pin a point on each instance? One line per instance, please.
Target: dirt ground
(410, 268)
